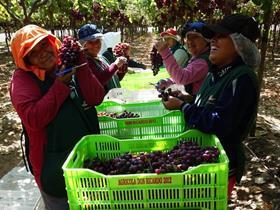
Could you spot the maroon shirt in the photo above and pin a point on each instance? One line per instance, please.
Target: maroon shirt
(107, 72)
(37, 111)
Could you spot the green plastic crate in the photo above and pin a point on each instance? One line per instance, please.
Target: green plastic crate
(154, 121)
(145, 109)
(201, 187)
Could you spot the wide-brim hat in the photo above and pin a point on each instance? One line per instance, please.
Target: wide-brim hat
(92, 37)
(170, 33)
(89, 32)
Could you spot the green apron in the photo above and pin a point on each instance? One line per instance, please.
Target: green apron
(208, 91)
(72, 122)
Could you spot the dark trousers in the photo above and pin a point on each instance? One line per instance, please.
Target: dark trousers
(54, 203)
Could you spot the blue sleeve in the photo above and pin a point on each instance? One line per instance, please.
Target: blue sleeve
(231, 111)
(132, 63)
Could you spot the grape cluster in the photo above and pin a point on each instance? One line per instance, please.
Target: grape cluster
(121, 49)
(184, 155)
(96, 11)
(209, 6)
(156, 60)
(124, 114)
(164, 3)
(96, 6)
(164, 94)
(116, 16)
(69, 51)
(77, 15)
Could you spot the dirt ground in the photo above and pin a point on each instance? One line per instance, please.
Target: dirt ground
(10, 152)
(260, 186)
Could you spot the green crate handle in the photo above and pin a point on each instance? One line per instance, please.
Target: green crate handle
(113, 103)
(106, 118)
(108, 103)
(119, 107)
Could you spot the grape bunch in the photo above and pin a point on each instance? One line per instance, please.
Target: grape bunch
(96, 6)
(69, 52)
(164, 94)
(184, 155)
(124, 114)
(77, 15)
(165, 3)
(156, 61)
(121, 49)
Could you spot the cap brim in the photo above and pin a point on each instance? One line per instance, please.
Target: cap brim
(93, 37)
(193, 33)
(209, 31)
(35, 42)
(177, 38)
(164, 34)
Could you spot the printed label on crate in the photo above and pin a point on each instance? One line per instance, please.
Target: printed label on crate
(145, 181)
(141, 121)
(144, 144)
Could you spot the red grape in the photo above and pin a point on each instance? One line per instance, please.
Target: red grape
(124, 114)
(180, 158)
(156, 60)
(69, 52)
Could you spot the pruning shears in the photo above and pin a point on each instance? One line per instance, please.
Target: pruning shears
(61, 73)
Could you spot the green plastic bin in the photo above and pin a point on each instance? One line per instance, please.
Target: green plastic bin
(201, 187)
(144, 109)
(154, 121)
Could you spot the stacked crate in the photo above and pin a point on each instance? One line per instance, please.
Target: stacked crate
(154, 122)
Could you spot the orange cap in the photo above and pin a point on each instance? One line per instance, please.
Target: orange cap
(24, 40)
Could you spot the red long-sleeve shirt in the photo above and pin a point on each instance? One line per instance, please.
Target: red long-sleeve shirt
(102, 75)
(37, 111)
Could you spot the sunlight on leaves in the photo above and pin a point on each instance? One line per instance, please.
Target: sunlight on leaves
(271, 186)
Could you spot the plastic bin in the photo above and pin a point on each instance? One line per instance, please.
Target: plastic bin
(168, 125)
(201, 187)
(154, 121)
(145, 109)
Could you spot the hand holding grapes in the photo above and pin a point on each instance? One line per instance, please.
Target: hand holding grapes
(66, 78)
(161, 84)
(172, 103)
(120, 61)
(161, 45)
(186, 97)
(182, 96)
(71, 57)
